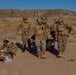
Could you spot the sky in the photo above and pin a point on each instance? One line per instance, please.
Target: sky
(38, 4)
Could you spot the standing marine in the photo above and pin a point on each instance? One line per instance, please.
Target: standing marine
(25, 28)
(62, 31)
(40, 38)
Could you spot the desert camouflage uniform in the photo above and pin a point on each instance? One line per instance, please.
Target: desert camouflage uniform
(54, 32)
(49, 37)
(40, 39)
(62, 36)
(24, 27)
(9, 50)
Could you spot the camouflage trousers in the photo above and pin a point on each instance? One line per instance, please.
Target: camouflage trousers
(25, 39)
(62, 42)
(1, 57)
(41, 45)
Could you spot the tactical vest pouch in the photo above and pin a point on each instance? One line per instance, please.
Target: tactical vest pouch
(64, 32)
(25, 27)
(61, 28)
(39, 30)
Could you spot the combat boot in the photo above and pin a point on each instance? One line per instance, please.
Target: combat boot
(39, 56)
(43, 56)
(59, 55)
(23, 49)
(62, 54)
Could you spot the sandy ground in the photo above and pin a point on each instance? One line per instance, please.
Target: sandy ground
(28, 64)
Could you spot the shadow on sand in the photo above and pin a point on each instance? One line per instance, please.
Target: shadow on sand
(33, 49)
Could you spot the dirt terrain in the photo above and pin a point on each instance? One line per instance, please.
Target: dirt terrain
(28, 64)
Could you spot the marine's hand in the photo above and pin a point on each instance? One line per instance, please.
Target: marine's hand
(72, 32)
(1, 51)
(29, 37)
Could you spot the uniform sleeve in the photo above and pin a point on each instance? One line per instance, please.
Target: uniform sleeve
(32, 31)
(5, 49)
(51, 28)
(69, 27)
(46, 31)
(1, 48)
(19, 26)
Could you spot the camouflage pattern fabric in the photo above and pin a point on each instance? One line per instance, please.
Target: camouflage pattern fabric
(62, 39)
(9, 50)
(25, 29)
(40, 38)
(41, 45)
(62, 42)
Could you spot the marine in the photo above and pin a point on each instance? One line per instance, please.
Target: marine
(24, 27)
(63, 30)
(40, 38)
(8, 51)
(53, 32)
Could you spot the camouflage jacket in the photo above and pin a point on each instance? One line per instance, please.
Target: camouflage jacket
(54, 28)
(11, 48)
(22, 29)
(34, 29)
